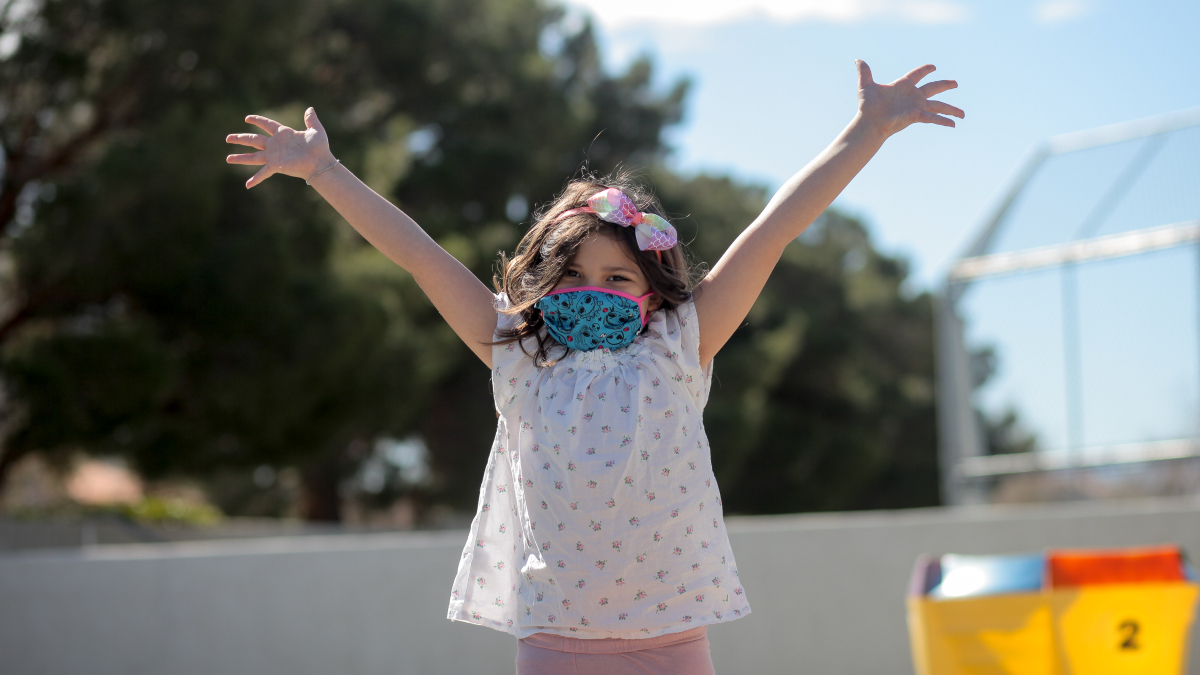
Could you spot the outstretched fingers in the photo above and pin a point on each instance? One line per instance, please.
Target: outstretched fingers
(263, 174)
(930, 118)
(917, 74)
(944, 109)
(864, 74)
(265, 123)
(252, 140)
(934, 88)
(248, 158)
(311, 121)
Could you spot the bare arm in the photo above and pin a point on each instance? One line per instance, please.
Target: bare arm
(725, 296)
(463, 300)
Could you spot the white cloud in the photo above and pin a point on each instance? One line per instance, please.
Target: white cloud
(1057, 11)
(613, 13)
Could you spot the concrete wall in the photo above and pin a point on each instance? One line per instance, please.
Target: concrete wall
(827, 593)
(99, 529)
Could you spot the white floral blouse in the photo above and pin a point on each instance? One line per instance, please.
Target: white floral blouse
(599, 515)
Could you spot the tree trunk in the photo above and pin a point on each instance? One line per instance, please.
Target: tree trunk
(321, 480)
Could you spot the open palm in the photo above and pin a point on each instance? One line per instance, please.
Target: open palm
(892, 107)
(292, 152)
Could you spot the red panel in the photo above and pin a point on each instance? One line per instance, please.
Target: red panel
(1114, 566)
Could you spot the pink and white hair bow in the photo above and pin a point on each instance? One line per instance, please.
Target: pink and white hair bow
(653, 232)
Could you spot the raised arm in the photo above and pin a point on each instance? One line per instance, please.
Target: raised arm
(463, 300)
(724, 297)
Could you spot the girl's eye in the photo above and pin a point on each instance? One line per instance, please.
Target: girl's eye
(572, 273)
(617, 277)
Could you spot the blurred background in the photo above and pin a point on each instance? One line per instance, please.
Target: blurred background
(174, 349)
(177, 350)
(1002, 313)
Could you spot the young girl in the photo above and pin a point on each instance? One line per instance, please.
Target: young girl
(599, 539)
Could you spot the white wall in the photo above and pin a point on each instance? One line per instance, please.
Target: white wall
(827, 593)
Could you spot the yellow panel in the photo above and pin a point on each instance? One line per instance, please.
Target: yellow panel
(1128, 629)
(998, 635)
(1124, 629)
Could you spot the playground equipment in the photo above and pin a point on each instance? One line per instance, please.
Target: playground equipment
(1111, 612)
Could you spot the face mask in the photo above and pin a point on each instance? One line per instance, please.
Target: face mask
(590, 317)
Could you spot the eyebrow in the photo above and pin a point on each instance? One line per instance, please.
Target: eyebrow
(627, 270)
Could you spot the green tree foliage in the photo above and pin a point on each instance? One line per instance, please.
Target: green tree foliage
(823, 399)
(164, 313)
(157, 310)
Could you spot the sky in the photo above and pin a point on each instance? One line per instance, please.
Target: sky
(774, 83)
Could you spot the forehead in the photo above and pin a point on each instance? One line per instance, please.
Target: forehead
(601, 251)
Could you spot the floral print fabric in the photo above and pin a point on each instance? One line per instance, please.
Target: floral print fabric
(599, 515)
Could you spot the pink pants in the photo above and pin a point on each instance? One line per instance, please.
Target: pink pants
(683, 653)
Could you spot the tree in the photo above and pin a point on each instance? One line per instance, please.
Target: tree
(161, 312)
(164, 314)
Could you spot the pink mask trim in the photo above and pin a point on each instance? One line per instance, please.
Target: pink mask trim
(641, 308)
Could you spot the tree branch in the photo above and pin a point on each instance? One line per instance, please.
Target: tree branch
(62, 157)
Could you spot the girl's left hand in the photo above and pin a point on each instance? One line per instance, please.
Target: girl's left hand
(892, 107)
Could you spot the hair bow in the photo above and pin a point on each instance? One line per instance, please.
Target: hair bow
(653, 232)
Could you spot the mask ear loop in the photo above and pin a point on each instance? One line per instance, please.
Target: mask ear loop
(645, 310)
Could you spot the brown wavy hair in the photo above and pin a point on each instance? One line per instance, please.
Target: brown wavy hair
(546, 251)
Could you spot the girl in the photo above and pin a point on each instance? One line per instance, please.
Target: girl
(599, 540)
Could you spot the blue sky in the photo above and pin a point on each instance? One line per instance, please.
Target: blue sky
(775, 82)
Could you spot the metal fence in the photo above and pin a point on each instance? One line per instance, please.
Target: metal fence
(1069, 331)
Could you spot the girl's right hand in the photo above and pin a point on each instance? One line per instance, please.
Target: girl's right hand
(299, 153)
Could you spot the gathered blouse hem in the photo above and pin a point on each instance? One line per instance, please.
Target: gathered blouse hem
(573, 645)
(525, 632)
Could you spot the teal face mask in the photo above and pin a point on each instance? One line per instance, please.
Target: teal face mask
(590, 317)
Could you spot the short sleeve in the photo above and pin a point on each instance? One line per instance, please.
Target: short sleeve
(675, 334)
(512, 368)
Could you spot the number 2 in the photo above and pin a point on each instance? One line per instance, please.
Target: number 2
(1129, 630)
